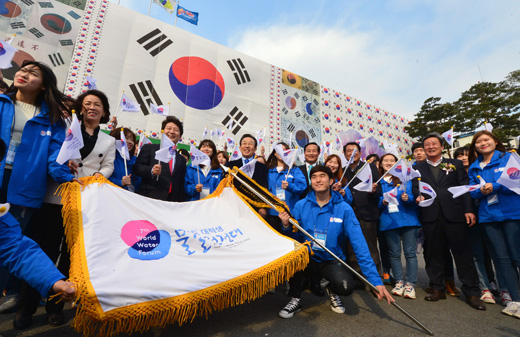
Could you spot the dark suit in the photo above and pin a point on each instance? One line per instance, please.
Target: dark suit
(159, 189)
(303, 168)
(260, 174)
(444, 225)
(365, 206)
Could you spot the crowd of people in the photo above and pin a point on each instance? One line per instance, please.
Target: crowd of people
(479, 230)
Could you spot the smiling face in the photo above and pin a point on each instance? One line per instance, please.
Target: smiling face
(485, 144)
(419, 155)
(206, 149)
(311, 153)
(320, 182)
(433, 148)
(333, 164)
(387, 162)
(464, 159)
(29, 79)
(247, 147)
(172, 131)
(92, 109)
(348, 152)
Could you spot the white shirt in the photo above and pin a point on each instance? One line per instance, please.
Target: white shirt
(434, 164)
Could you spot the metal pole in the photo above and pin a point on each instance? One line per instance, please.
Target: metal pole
(295, 224)
(351, 180)
(149, 7)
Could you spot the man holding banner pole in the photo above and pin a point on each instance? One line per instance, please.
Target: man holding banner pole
(330, 220)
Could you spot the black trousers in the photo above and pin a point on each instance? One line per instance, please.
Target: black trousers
(440, 235)
(47, 231)
(369, 229)
(340, 278)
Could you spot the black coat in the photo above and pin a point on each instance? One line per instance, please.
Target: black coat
(158, 189)
(452, 209)
(260, 174)
(365, 204)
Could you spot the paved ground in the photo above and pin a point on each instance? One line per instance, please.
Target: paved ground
(364, 317)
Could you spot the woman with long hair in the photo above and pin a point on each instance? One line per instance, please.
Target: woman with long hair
(119, 176)
(31, 125)
(498, 211)
(399, 223)
(285, 183)
(202, 180)
(222, 157)
(333, 162)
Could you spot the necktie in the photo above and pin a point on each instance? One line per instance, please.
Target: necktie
(246, 160)
(309, 173)
(171, 171)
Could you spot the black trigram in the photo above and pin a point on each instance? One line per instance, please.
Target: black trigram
(154, 42)
(56, 59)
(46, 4)
(36, 32)
(19, 24)
(291, 127)
(145, 93)
(239, 71)
(236, 117)
(74, 15)
(66, 42)
(313, 134)
(28, 2)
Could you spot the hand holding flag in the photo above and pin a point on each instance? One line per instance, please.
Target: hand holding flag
(391, 196)
(365, 175)
(428, 190)
(73, 142)
(457, 191)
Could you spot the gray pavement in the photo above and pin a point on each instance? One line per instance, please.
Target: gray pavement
(364, 316)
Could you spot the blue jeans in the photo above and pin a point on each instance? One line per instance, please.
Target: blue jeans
(409, 237)
(504, 240)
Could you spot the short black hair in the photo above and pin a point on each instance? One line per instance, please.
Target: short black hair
(311, 143)
(322, 168)
(417, 145)
(247, 135)
(78, 105)
(460, 151)
(373, 155)
(352, 143)
(433, 135)
(174, 120)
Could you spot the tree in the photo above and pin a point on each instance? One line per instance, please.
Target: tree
(495, 103)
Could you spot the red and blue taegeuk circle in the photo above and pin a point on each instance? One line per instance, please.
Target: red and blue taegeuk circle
(55, 23)
(196, 82)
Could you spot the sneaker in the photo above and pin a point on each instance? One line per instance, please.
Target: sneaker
(487, 297)
(387, 279)
(336, 304)
(512, 309)
(409, 291)
(398, 289)
(9, 304)
(291, 308)
(506, 298)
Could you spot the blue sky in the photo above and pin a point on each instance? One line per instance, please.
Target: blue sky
(392, 54)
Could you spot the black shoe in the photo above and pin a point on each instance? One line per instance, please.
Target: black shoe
(475, 302)
(56, 319)
(21, 322)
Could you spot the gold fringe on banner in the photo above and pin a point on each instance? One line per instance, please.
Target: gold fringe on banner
(91, 320)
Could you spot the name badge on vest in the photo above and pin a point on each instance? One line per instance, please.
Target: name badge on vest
(280, 193)
(321, 237)
(11, 153)
(492, 199)
(392, 208)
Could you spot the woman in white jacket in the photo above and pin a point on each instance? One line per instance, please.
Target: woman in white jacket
(99, 149)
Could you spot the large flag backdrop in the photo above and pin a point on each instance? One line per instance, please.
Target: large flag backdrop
(211, 85)
(139, 262)
(45, 31)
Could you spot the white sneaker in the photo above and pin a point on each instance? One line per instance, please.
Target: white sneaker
(398, 289)
(409, 291)
(336, 304)
(506, 298)
(291, 308)
(487, 297)
(512, 309)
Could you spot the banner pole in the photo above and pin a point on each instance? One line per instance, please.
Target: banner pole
(364, 280)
